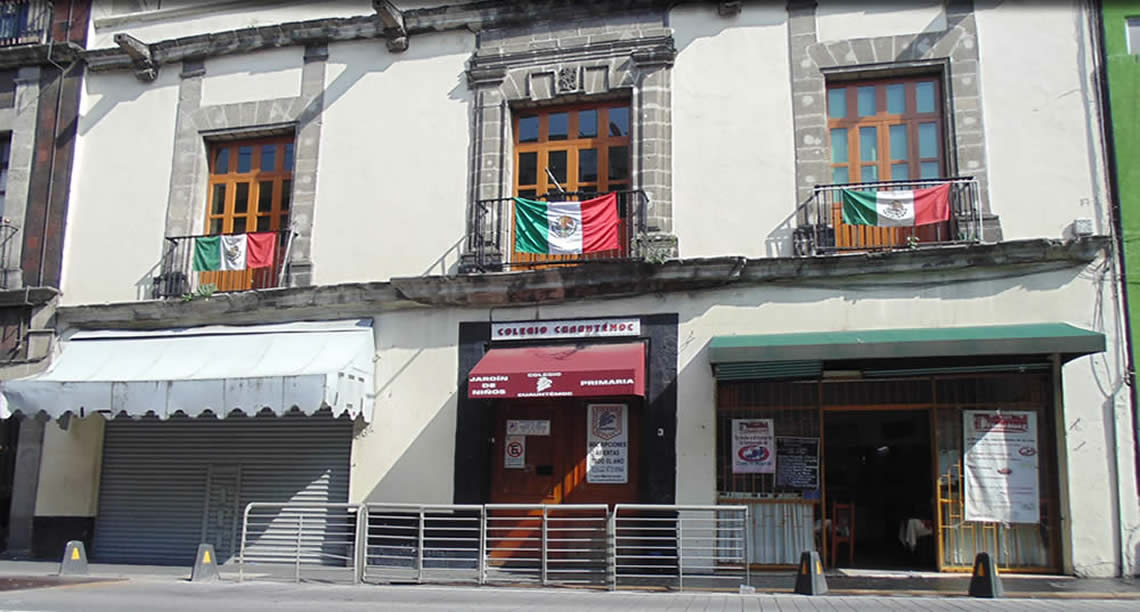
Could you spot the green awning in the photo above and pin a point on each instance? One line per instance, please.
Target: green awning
(1035, 338)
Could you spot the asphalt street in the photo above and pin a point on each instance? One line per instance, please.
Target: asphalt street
(178, 596)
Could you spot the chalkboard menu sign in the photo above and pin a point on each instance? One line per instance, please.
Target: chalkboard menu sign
(797, 463)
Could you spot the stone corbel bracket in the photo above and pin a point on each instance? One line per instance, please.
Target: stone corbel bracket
(395, 31)
(146, 69)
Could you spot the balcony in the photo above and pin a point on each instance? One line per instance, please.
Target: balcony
(821, 231)
(180, 277)
(24, 22)
(490, 245)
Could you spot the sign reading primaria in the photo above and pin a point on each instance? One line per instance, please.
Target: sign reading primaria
(542, 330)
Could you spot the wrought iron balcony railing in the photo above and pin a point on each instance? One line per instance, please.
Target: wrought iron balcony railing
(178, 277)
(820, 228)
(491, 240)
(24, 22)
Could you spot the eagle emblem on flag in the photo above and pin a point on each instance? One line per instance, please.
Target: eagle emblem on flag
(564, 226)
(894, 210)
(233, 255)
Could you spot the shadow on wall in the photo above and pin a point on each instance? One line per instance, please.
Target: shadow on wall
(752, 15)
(431, 451)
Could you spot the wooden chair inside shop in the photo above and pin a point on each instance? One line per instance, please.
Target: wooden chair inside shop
(842, 531)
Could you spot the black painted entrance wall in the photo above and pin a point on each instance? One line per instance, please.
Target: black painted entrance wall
(475, 417)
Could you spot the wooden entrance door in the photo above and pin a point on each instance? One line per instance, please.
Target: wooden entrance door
(553, 468)
(531, 474)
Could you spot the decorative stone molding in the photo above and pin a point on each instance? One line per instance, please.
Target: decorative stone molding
(146, 69)
(542, 63)
(951, 52)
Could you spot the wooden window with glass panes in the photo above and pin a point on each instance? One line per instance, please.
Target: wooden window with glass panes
(586, 149)
(250, 189)
(886, 130)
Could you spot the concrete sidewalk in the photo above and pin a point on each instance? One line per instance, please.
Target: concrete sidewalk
(180, 596)
(37, 574)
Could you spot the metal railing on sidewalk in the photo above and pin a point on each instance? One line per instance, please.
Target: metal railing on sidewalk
(563, 544)
(627, 546)
(422, 543)
(680, 546)
(308, 538)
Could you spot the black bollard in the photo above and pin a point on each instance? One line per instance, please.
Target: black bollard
(809, 578)
(985, 581)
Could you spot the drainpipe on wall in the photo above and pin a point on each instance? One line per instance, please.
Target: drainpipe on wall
(1104, 124)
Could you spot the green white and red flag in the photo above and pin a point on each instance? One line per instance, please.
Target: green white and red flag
(904, 208)
(566, 228)
(235, 251)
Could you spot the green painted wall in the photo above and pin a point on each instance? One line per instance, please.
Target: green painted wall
(1124, 94)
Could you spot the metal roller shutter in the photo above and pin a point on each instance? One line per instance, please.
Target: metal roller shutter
(168, 485)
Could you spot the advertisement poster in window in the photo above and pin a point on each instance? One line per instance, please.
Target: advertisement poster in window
(607, 444)
(753, 446)
(1000, 466)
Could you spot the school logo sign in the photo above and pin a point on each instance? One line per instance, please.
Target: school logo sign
(606, 421)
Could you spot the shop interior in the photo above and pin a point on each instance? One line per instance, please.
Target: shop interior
(879, 489)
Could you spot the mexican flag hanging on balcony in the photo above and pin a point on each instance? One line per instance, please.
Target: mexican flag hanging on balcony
(566, 228)
(234, 251)
(897, 208)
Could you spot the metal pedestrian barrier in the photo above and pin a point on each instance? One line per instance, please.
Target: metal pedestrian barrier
(565, 544)
(628, 546)
(680, 546)
(423, 543)
(311, 540)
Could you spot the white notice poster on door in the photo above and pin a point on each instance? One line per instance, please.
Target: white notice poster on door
(753, 446)
(1000, 466)
(607, 444)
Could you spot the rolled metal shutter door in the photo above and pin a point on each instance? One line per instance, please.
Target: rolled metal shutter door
(169, 485)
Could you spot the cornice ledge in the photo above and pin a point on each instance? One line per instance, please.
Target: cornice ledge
(608, 280)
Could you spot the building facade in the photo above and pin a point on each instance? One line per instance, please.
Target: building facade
(297, 270)
(40, 75)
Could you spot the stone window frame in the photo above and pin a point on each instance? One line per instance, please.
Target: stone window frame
(635, 64)
(954, 49)
(197, 125)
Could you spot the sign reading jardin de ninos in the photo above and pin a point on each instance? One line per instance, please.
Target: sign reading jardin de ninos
(553, 384)
(545, 330)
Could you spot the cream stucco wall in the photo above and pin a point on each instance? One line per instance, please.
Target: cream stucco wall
(119, 188)
(392, 174)
(844, 20)
(407, 452)
(1039, 133)
(732, 137)
(70, 469)
(265, 75)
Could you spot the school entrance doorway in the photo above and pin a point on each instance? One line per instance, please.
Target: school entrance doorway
(565, 451)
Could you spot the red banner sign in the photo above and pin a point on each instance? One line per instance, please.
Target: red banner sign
(553, 384)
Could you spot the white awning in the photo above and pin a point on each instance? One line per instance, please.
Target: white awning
(219, 369)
